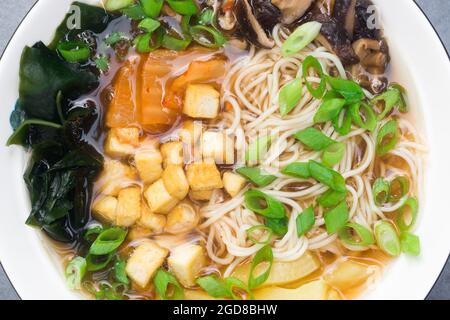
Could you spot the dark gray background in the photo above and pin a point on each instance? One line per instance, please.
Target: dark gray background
(438, 11)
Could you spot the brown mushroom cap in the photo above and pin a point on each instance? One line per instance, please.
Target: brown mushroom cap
(292, 10)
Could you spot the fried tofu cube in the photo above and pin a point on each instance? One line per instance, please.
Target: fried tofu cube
(218, 146)
(128, 207)
(149, 165)
(159, 199)
(175, 181)
(186, 262)
(233, 183)
(204, 176)
(105, 209)
(201, 101)
(121, 142)
(183, 218)
(190, 132)
(201, 195)
(150, 220)
(114, 175)
(172, 153)
(137, 232)
(143, 263)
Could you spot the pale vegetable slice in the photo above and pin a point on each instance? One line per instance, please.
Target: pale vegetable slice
(348, 274)
(283, 272)
(315, 290)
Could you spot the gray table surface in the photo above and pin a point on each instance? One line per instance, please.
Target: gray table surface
(438, 11)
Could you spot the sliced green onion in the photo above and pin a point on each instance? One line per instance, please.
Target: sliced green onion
(392, 97)
(214, 286)
(108, 241)
(92, 233)
(407, 215)
(336, 218)
(402, 106)
(314, 139)
(263, 257)
(297, 170)
(143, 41)
(149, 25)
(300, 38)
(206, 17)
(399, 188)
(327, 176)
(355, 234)
(345, 127)
(258, 149)
(135, 12)
(152, 8)
(102, 63)
(387, 238)
(232, 284)
(173, 43)
(183, 7)
(75, 271)
(333, 154)
(207, 36)
(263, 204)
(120, 273)
(363, 116)
(290, 96)
(256, 176)
(278, 226)
(381, 191)
(410, 244)
(349, 89)
(387, 138)
(114, 5)
(260, 229)
(74, 51)
(312, 63)
(329, 110)
(97, 263)
(331, 198)
(305, 221)
(163, 281)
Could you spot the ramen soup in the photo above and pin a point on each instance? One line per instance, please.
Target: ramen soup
(247, 149)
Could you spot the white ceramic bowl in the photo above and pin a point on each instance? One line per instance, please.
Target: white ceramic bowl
(420, 63)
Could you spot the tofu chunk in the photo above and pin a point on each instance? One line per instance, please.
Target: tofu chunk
(149, 165)
(128, 207)
(175, 181)
(201, 101)
(233, 183)
(143, 263)
(105, 208)
(218, 146)
(201, 195)
(204, 176)
(190, 132)
(150, 220)
(114, 176)
(172, 153)
(121, 142)
(159, 199)
(186, 262)
(183, 218)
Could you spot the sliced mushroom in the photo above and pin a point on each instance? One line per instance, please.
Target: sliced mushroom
(344, 13)
(334, 37)
(256, 19)
(227, 21)
(292, 10)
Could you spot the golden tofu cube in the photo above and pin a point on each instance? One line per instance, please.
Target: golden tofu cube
(201, 195)
(128, 207)
(175, 181)
(149, 165)
(137, 232)
(233, 183)
(204, 176)
(114, 176)
(186, 262)
(143, 263)
(201, 101)
(159, 199)
(172, 153)
(218, 146)
(182, 219)
(190, 132)
(121, 142)
(105, 209)
(150, 220)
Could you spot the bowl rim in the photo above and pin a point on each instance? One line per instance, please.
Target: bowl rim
(414, 3)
